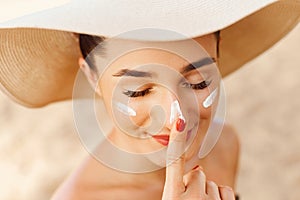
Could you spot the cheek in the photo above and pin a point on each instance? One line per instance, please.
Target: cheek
(142, 112)
(205, 113)
(106, 96)
(142, 107)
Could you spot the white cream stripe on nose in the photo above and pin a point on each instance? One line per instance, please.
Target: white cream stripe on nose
(175, 112)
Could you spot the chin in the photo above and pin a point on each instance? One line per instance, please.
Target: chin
(196, 141)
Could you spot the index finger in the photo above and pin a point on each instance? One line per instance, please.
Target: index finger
(175, 153)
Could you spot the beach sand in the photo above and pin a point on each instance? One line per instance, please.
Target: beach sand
(39, 147)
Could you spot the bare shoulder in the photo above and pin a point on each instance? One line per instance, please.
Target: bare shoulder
(92, 180)
(68, 190)
(229, 141)
(82, 182)
(71, 188)
(222, 162)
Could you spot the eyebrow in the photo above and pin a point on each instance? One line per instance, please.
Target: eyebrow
(198, 64)
(188, 68)
(134, 73)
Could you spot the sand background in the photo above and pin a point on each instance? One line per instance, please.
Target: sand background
(39, 147)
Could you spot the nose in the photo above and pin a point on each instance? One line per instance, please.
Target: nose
(172, 108)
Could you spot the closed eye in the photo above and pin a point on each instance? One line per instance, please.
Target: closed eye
(134, 94)
(198, 86)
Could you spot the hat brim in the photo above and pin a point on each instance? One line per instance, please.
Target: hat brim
(39, 53)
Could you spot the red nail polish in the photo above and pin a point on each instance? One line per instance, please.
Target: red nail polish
(180, 125)
(195, 167)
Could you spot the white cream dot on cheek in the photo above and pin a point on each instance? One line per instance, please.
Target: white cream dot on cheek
(210, 99)
(125, 109)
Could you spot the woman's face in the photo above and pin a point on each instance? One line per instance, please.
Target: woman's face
(149, 85)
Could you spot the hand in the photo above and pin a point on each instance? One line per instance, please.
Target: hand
(193, 185)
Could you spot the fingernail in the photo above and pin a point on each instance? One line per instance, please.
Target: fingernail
(197, 166)
(180, 125)
(225, 187)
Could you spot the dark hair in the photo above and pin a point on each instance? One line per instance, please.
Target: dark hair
(89, 42)
(217, 34)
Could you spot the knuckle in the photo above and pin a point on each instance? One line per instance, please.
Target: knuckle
(211, 184)
(173, 186)
(202, 174)
(213, 190)
(197, 174)
(194, 174)
(226, 188)
(226, 192)
(175, 158)
(175, 155)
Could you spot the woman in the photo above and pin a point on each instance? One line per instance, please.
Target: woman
(153, 71)
(115, 75)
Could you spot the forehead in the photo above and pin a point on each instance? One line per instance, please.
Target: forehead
(130, 54)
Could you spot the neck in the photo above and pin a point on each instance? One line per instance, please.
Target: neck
(146, 180)
(133, 170)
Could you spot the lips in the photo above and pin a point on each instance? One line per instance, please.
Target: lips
(164, 139)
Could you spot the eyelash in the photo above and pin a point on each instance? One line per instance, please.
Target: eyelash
(198, 86)
(134, 94)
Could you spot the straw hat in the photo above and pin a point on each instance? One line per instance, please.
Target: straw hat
(39, 52)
